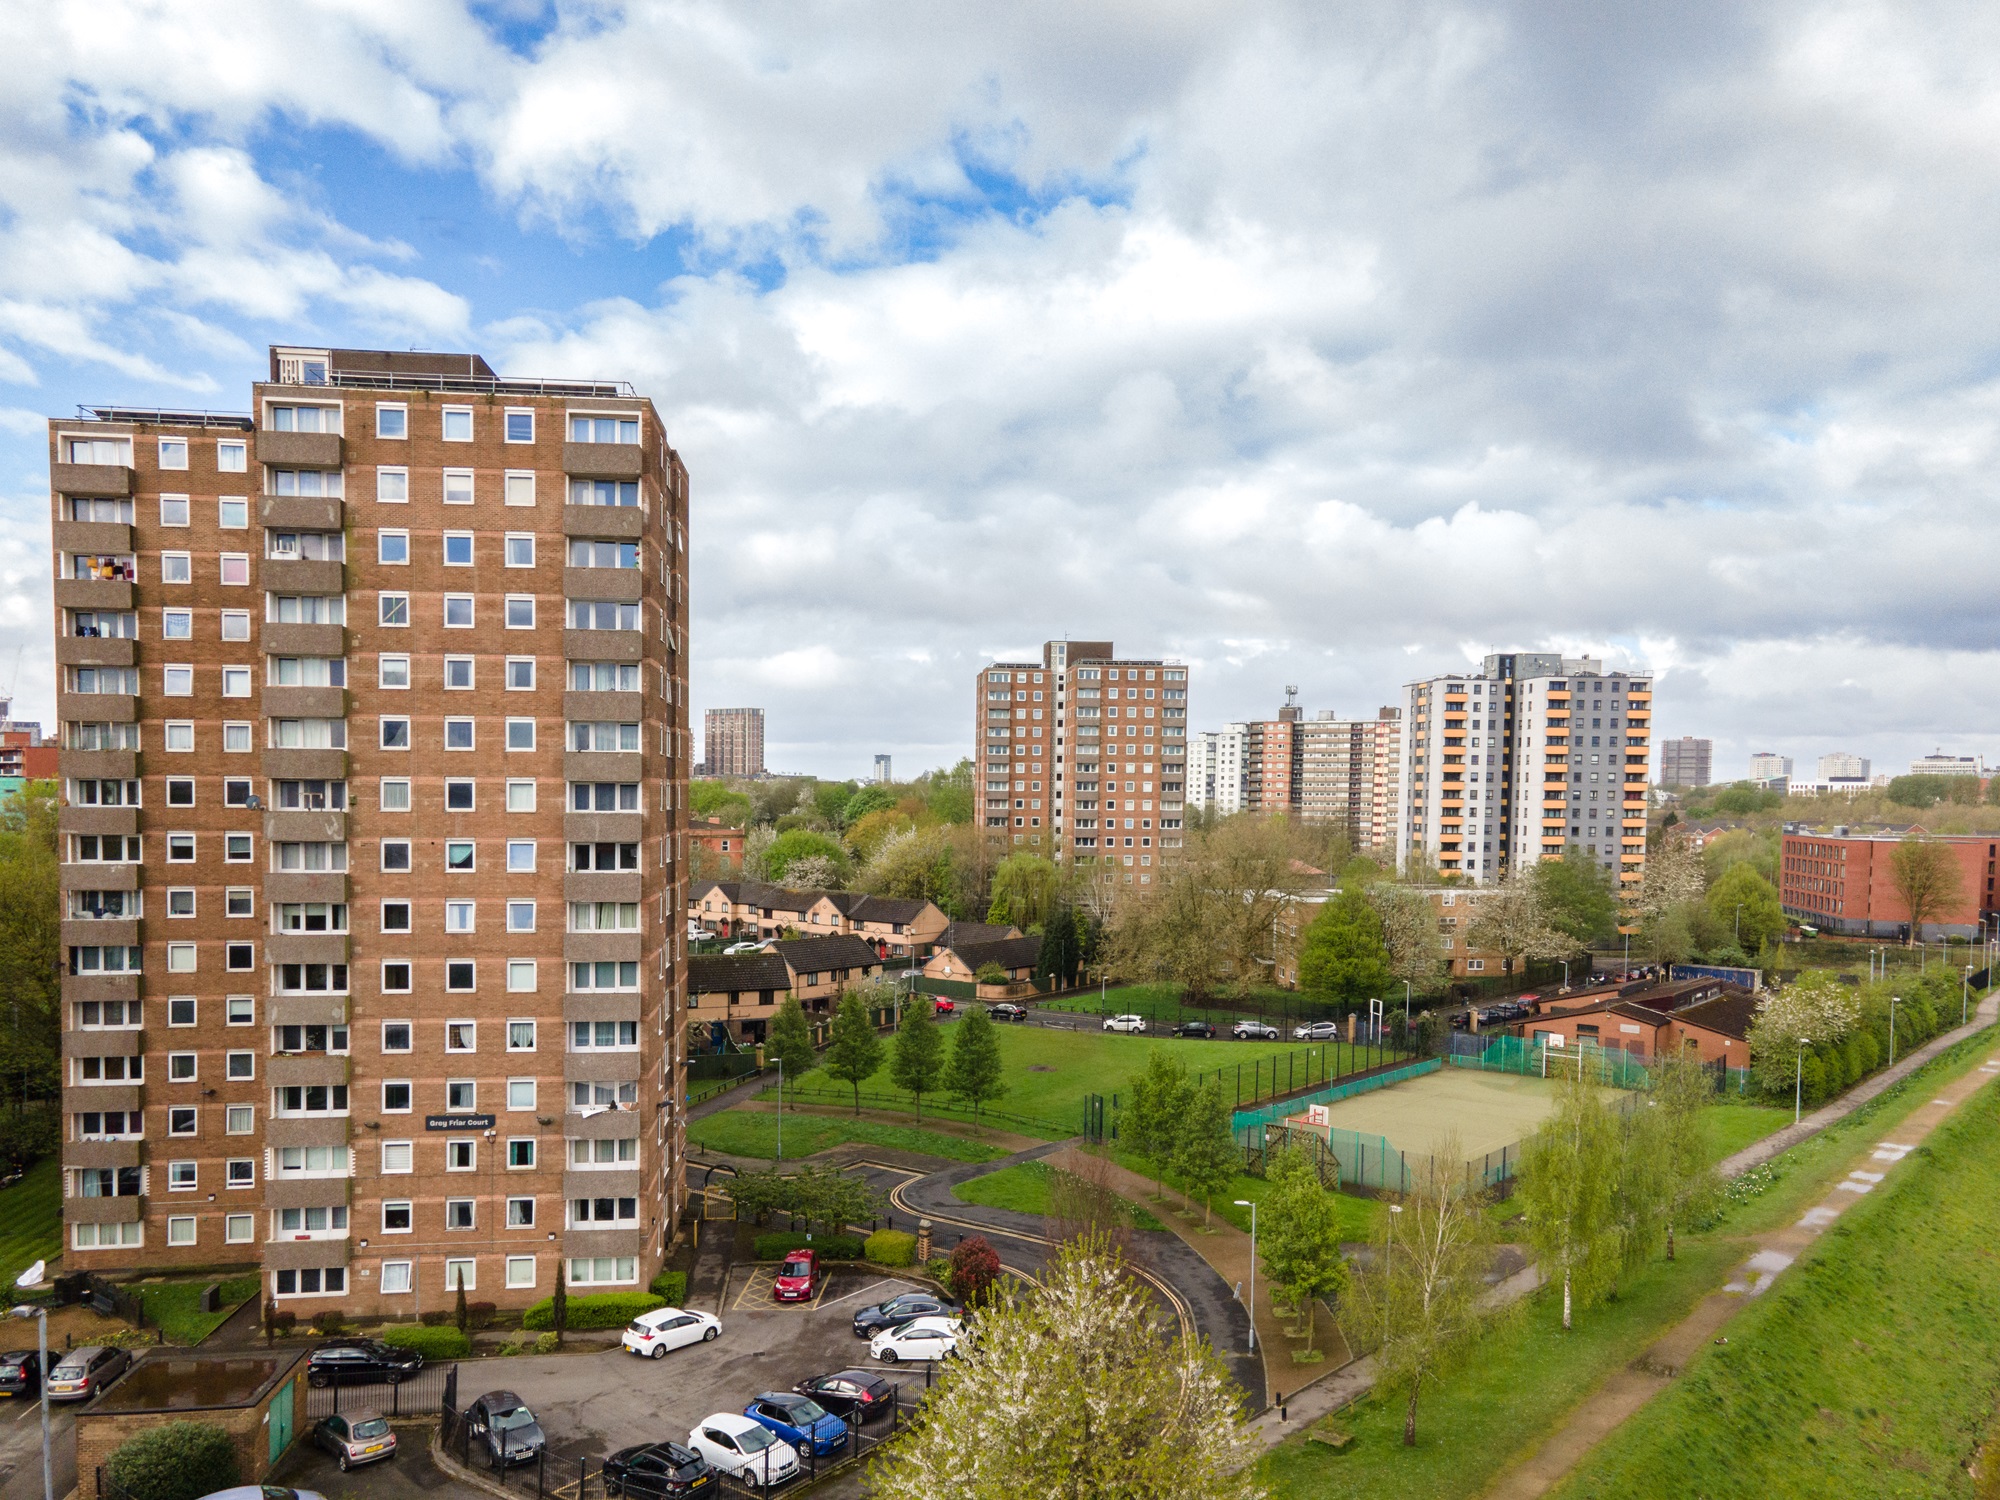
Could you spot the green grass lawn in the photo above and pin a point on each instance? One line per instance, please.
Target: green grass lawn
(175, 1306)
(1048, 1072)
(1360, 1218)
(744, 1132)
(1728, 1128)
(31, 1219)
(1025, 1188)
(1528, 1373)
(1864, 1372)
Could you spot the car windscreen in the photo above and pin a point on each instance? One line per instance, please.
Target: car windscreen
(754, 1439)
(374, 1427)
(508, 1421)
(803, 1410)
(800, 1267)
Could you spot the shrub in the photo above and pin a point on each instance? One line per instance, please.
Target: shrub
(435, 1317)
(891, 1247)
(480, 1314)
(830, 1246)
(433, 1342)
(672, 1285)
(328, 1321)
(284, 1322)
(991, 973)
(547, 1343)
(175, 1461)
(605, 1310)
(974, 1265)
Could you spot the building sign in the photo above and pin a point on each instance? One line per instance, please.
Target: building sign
(458, 1122)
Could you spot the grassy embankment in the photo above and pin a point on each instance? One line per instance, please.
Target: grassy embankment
(1025, 1188)
(747, 1132)
(1528, 1373)
(31, 1219)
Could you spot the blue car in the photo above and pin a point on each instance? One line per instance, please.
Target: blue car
(799, 1420)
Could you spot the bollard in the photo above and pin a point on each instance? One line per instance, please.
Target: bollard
(923, 1241)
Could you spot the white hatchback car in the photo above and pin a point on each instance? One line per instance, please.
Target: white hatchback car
(1124, 1023)
(736, 1445)
(654, 1333)
(918, 1339)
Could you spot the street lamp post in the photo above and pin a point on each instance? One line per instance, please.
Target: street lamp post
(1406, 1005)
(781, 1108)
(1246, 1203)
(1739, 924)
(31, 1280)
(1894, 1001)
(1964, 994)
(1565, 963)
(1388, 1252)
(1799, 1084)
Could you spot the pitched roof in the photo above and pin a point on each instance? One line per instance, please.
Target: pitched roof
(975, 932)
(1009, 953)
(812, 955)
(887, 909)
(717, 973)
(1727, 1014)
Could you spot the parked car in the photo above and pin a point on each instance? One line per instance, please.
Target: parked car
(361, 1361)
(799, 1420)
(502, 1424)
(1254, 1031)
(20, 1372)
(1007, 1010)
(1317, 1031)
(654, 1333)
(735, 948)
(1125, 1023)
(797, 1277)
(653, 1470)
(356, 1437)
(872, 1320)
(920, 1339)
(262, 1492)
(736, 1445)
(1195, 1028)
(82, 1373)
(850, 1393)
(943, 1006)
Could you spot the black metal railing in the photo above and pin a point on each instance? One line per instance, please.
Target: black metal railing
(418, 1394)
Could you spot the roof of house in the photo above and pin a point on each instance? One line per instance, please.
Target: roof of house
(975, 932)
(1728, 1015)
(1009, 953)
(890, 909)
(813, 955)
(717, 973)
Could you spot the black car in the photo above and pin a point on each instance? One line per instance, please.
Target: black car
(1195, 1028)
(1006, 1010)
(502, 1425)
(20, 1372)
(361, 1362)
(652, 1469)
(859, 1393)
(899, 1310)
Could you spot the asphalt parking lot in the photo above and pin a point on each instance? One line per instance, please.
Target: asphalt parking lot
(593, 1404)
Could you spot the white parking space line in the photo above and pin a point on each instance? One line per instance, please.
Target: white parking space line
(850, 1296)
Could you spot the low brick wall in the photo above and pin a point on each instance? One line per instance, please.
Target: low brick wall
(234, 1392)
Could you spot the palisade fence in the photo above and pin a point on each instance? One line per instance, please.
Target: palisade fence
(427, 1390)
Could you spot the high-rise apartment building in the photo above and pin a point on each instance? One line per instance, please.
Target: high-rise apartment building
(1348, 772)
(1686, 761)
(1937, 763)
(1534, 754)
(373, 752)
(732, 742)
(884, 774)
(1843, 765)
(1767, 767)
(1083, 755)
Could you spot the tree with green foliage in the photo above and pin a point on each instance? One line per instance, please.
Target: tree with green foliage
(1409, 933)
(1743, 798)
(717, 799)
(1577, 898)
(1917, 791)
(1568, 1185)
(973, 1074)
(1061, 956)
(176, 1460)
(790, 1042)
(1205, 1153)
(1342, 956)
(1512, 922)
(1151, 1121)
(876, 798)
(1066, 1388)
(798, 845)
(558, 1303)
(1025, 888)
(916, 1060)
(1761, 918)
(948, 794)
(1679, 1089)
(1298, 1235)
(1424, 1291)
(30, 966)
(853, 1051)
(1928, 877)
(915, 865)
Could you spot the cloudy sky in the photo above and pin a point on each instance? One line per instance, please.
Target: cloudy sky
(1323, 344)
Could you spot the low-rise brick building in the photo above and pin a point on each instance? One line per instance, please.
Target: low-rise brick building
(1845, 882)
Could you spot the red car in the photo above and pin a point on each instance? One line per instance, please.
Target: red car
(943, 1007)
(797, 1276)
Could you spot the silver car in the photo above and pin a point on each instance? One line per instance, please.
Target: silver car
(1125, 1023)
(1317, 1031)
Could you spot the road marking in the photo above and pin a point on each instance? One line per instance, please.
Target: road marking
(750, 1285)
(872, 1286)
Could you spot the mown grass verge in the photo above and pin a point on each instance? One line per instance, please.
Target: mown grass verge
(1026, 1188)
(175, 1306)
(747, 1132)
(31, 1219)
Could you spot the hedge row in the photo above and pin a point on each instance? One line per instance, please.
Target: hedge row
(604, 1310)
(891, 1247)
(830, 1246)
(431, 1343)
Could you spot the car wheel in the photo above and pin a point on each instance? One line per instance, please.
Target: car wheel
(888, 1356)
(343, 1463)
(316, 1378)
(395, 1377)
(710, 1334)
(659, 1351)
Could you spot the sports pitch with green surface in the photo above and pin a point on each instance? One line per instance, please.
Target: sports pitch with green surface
(1488, 1110)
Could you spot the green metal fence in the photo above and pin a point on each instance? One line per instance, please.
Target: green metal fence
(1610, 1066)
(1272, 1114)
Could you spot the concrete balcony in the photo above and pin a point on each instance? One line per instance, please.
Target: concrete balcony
(113, 1154)
(77, 987)
(621, 585)
(90, 479)
(306, 1130)
(302, 512)
(305, 703)
(99, 820)
(308, 1192)
(92, 593)
(603, 765)
(283, 575)
(602, 1005)
(113, 537)
(307, 947)
(89, 875)
(589, 947)
(620, 708)
(602, 885)
(99, 708)
(299, 450)
(603, 1067)
(104, 1210)
(96, 651)
(305, 885)
(305, 827)
(300, 1069)
(612, 523)
(305, 640)
(308, 1010)
(102, 1096)
(596, 645)
(305, 765)
(98, 932)
(598, 828)
(304, 1255)
(611, 1182)
(588, 1239)
(610, 1125)
(604, 461)
(103, 1043)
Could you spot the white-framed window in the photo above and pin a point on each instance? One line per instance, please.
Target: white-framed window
(330, 1281)
(461, 794)
(178, 735)
(520, 916)
(520, 425)
(458, 612)
(393, 610)
(520, 674)
(461, 1275)
(235, 682)
(181, 1177)
(398, 1157)
(235, 568)
(460, 916)
(520, 612)
(392, 486)
(392, 420)
(458, 486)
(173, 453)
(240, 1119)
(520, 549)
(461, 975)
(392, 548)
(396, 1279)
(177, 680)
(177, 624)
(520, 796)
(521, 1096)
(458, 734)
(392, 671)
(519, 487)
(397, 1216)
(461, 1155)
(173, 512)
(180, 958)
(457, 424)
(180, 1229)
(106, 1236)
(520, 856)
(394, 794)
(461, 1094)
(520, 1271)
(396, 977)
(232, 512)
(182, 1067)
(458, 674)
(232, 455)
(520, 1211)
(395, 732)
(239, 1229)
(236, 624)
(396, 856)
(458, 549)
(597, 429)
(237, 739)
(521, 975)
(240, 1172)
(183, 1120)
(520, 734)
